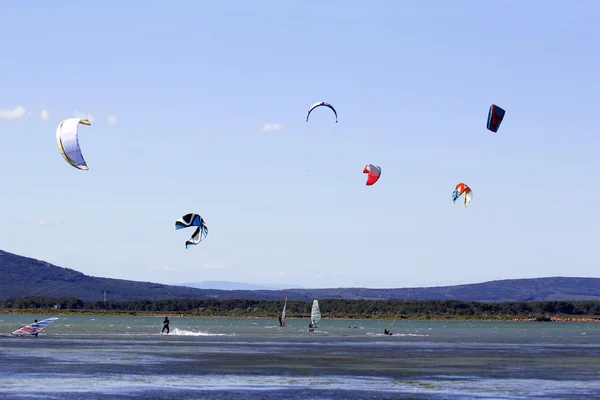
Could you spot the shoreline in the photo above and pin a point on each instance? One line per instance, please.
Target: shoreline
(171, 314)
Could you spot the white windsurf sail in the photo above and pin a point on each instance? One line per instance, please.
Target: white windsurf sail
(315, 313)
(35, 328)
(283, 312)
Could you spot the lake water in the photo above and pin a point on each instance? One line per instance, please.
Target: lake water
(220, 358)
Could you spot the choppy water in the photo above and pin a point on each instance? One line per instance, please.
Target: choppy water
(219, 358)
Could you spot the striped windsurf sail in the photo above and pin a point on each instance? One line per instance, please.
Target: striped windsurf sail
(34, 328)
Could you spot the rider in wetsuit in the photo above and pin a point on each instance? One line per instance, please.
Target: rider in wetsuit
(166, 325)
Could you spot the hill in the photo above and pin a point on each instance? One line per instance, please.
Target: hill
(23, 276)
(535, 289)
(227, 285)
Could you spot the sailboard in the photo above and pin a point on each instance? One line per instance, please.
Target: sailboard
(35, 328)
(283, 312)
(315, 314)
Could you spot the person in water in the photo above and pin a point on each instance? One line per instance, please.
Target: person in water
(280, 321)
(387, 332)
(166, 325)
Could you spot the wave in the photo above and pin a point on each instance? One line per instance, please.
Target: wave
(183, 332)
(396, 334)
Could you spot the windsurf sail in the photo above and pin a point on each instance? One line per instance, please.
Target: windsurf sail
(35, 328)
(283, 312)
(315, 313)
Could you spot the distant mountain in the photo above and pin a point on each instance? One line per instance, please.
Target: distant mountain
(226, 285)
(23, 276)
(535, 289)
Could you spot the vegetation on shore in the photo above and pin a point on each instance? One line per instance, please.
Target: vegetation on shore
(330, 308)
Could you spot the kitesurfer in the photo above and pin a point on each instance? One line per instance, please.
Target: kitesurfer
(166, 325)
(385, 331)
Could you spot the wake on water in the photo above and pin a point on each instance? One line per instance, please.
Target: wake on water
(183, 332)
(396, 334)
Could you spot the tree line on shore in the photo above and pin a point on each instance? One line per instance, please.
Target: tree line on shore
(330, 308)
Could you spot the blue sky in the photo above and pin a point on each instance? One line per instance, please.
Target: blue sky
(180, 93)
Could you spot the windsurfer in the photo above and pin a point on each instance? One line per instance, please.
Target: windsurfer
(280, 321)
(35, 322)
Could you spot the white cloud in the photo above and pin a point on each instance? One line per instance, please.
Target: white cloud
(17, 112)
(112, 120)
(89, 116)
(271, 127)
(44, 114)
